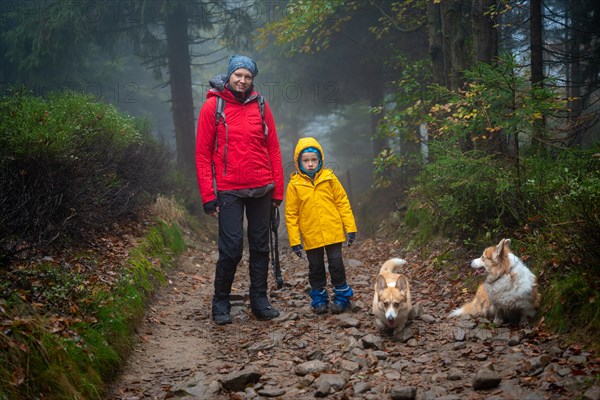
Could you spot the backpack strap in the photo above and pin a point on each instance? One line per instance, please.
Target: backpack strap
(261, 107)
(219, 115)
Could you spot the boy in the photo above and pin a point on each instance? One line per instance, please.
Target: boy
(318, 213)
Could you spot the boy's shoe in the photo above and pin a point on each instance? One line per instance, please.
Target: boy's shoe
(320, 309)
(341, 298)
(222, 319)
(266, 313)
(337, 308)
(320, 300)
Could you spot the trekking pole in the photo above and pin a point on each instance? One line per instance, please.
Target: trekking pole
(273, 237)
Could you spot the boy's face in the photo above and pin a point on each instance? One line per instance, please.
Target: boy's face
(310, 161)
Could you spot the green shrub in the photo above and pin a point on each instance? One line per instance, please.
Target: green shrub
(70, 166)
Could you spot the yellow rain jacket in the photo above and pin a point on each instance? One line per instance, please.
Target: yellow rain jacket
(317, 212)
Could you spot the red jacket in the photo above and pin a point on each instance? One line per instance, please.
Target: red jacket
(243, 158)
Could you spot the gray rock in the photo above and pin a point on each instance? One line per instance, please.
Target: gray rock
(486, 378)
(535, 365)
(356, 306)
(352, 263)
(310, 367)
(467, 323)
(372, 342)
(197, 386)
(459, 345)
(578, 360)
(328, 382)
(236, 381)
(435, 392)
(381, 355)
(423, 359)
(274, 392)
(405, 335)
(455, 375)
(592, 393)
(482, 334)
(315, 355)
(349, 322)
(361, 387)
(459, 334)
(428, 318)
(261, 346)
(403, 393)
(349, 366)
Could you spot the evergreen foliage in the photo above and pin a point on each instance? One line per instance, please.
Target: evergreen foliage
(489, 178)
(70, 165)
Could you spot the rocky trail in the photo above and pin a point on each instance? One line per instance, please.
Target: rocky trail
(181, 354)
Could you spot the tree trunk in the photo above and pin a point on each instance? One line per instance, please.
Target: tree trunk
(574, 76)
(485, 34)
(436, 43)
(376, 94)
(485, 50)
(456, 32)
(180, 78)
(537, 62)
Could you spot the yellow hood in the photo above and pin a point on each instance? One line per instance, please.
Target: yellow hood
(305, 143)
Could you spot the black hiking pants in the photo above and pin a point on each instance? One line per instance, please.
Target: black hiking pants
(231, 244)
(317, 277)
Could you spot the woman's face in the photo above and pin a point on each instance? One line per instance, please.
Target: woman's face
(240, 80)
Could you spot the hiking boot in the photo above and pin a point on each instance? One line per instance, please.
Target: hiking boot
(266, 313)
(320, 309)
(222, 319)
(341, 298)
(337, 308)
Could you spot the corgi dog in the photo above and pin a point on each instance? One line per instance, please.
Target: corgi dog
(391, 298)
(509, 291)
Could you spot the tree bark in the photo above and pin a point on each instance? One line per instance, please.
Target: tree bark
(485, 50)
(436, 43)
(485, 34)
(456, 32)
(178, 56)
(537, 63)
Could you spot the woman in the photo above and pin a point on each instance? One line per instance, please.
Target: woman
(238, 151)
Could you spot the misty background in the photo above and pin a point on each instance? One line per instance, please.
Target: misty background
(153, 59)
(117, 53)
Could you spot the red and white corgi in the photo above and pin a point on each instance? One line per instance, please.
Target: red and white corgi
(509, 291)
(391, 298)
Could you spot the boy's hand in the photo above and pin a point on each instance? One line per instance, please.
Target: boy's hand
(298, 250)
(351, 237)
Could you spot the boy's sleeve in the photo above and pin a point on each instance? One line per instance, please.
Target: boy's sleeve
(292, 215)
(274, 154)
(343, 205)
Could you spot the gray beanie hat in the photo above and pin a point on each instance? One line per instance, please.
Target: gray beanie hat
(237, 62)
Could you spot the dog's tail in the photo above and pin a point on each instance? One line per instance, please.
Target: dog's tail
(389, 265)
(480, 305)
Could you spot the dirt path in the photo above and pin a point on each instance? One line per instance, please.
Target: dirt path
(180, 353)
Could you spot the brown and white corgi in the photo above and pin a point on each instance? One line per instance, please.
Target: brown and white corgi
(509, 292)
(391, 298)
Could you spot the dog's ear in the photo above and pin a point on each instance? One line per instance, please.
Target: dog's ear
(402, 283)
(503, 248)
(381, 283)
